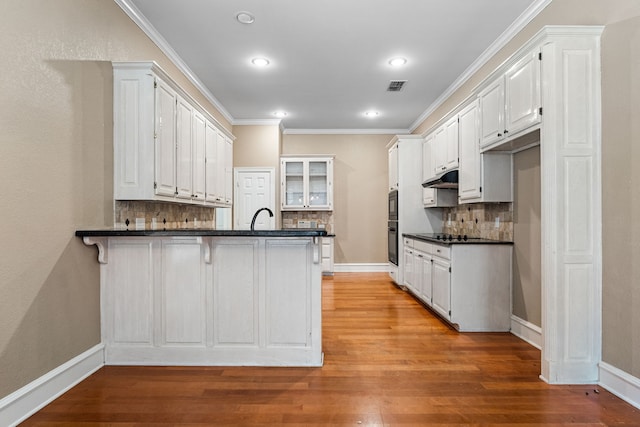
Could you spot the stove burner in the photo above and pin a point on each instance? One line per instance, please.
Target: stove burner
(450, 237)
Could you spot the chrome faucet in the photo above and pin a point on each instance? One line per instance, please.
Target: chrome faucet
(255, 215)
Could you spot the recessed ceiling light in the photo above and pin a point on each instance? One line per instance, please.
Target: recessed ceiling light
(280, 114)
(260, 62)
(397, 62)
(245, 18)
(371, 114)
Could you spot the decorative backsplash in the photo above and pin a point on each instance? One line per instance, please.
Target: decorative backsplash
(168, 216)
(297, 219)
(485, 220)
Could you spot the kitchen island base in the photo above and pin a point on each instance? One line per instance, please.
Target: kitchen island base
(217, 301)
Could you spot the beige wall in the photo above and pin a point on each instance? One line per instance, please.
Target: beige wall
(56, 168)
(527, 290)
(620, 157)
(360, 191)
(259, 146)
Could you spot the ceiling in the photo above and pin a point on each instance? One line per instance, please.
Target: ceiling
(329, 59)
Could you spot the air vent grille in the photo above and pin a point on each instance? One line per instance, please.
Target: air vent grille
(396, 85)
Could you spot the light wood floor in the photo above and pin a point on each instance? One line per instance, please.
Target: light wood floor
(388, 361)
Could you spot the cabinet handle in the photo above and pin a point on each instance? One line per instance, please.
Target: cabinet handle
(499, 134)
(506, 131)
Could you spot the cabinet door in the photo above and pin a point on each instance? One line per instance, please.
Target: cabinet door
(451, 143)
(293, 184)
(492, 112)
(427, 157)
(439, 150)
(220, 166)
(199, 157)
(441, 298)
(211, 172)
(184, 135)
(393, 167)
(408, 276)
(522, 93)
(228, 171)
(427, 268)
(469, 173)
(318, 184)
(418, 265)
(165, 135)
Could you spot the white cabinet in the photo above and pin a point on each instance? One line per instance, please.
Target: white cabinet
(446, 146)
(467, 284)
(130, 142)
(307, 183)
(434, 197)
(199, 166)
(326, 251)
(485, 177)
(393, 167)
(511, 102)
(162, 140)
(184, 136)
(441, 282)
(211, 301)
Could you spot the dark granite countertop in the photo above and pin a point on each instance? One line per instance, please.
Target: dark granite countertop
(287, 232)
(433, 238)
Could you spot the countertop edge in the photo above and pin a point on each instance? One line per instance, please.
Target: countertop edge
(202, 233)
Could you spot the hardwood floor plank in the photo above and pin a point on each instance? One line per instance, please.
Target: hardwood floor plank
(388, 361)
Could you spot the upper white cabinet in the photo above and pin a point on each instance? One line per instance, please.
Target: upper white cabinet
(483, 177)
(307, 183)
(445, 146)
(511, 102)
(164, 141)
(432, 197)
(393, 167)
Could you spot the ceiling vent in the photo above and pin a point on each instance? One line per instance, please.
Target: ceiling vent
(396, 85)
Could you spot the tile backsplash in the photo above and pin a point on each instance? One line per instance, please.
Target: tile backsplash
(486, 220)
(168, 216)
(297, 219)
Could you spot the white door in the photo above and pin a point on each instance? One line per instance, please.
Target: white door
(254, 190)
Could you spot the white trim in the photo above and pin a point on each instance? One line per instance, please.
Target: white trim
(21, 404)
(620, 383)
(139, 19)
(346, 131)
(526, 331)
(361, 268)
(522, 21)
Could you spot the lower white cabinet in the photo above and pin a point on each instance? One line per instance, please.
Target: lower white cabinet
(467, 284)
(211, 301)
(326, 251)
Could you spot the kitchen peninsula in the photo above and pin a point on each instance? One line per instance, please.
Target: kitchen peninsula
(210, 297)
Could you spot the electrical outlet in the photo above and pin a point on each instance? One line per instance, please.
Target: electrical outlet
(497, 222)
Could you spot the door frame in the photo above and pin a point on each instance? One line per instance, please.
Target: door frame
(272, 184)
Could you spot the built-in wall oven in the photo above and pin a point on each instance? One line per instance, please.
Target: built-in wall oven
(393, 227)
(393, 242)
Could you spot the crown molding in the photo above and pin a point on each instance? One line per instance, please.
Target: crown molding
(257, 122)
(345, 131)
(527, 16)
(139, 19)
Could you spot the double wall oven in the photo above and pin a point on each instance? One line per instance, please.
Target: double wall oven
(393, 227)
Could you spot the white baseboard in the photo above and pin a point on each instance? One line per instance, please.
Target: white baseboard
(526, 331)
(361, 268)
(21, 404)
(620, 383)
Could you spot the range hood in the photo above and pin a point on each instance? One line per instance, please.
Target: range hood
(448, 179)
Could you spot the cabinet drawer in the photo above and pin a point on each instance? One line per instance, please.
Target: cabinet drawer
(421, 246)
(408, 243)
(441, 251)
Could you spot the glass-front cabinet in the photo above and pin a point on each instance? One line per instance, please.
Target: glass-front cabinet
(307, 183)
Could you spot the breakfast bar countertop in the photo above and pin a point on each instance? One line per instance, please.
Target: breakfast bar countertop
(287, 232)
